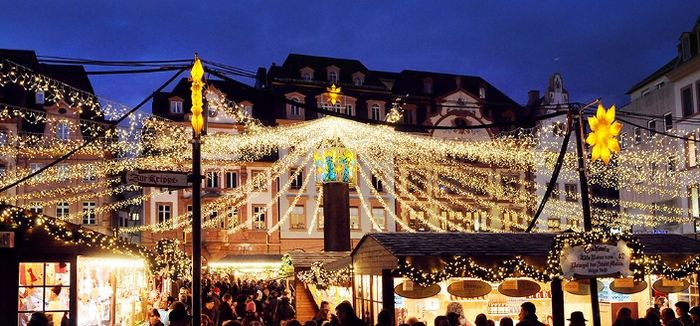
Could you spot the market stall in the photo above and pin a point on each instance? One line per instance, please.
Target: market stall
(69, 272)
(424, 275)
(325, 275)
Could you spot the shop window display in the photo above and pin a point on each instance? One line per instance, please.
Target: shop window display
(44, 286)
(110, 291)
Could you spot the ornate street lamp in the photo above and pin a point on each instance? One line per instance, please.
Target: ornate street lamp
(197, 124)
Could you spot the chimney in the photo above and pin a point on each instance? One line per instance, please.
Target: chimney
(533, 97)
(261, 78)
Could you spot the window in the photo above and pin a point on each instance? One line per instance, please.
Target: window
(164, 212)
(571, 190)
(637, 135)
(651, 125)
(259, 217)
(232, 217)
(176, 107)
(89, 175)
(63, 131)
(672, 164)
(354, 218)
(482, 92)
(231, 179)
(687, 101)
(553, 224)
(694, 201)
(248, 110)
(668, 121)
(428, 85)
(44, 286)
(375, 113)
(298, 180)
(349, 110)
(135, 216)
(36, 207)
(295, 111)
(697, 94)
(213, 180)
(660, 84)
(645, 92)
(379, 215)
(62, 210)
(306, 76)
(685, 44)
(221, 223)
(333, 77)
(358, 81)
(33, 167)
(39, 97)
(377, 183)
(3, 169)
(89, 217)
(555, 191)
(409, 117)
(260, 182)
(297, 221)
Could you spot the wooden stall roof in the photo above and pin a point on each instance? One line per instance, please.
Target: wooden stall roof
(494, 244)
(305, 259)
(251, 258)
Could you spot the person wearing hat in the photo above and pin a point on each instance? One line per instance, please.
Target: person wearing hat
(682, 309)
(577, 319)
(209, 308)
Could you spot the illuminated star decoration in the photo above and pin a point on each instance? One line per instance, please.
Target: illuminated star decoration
(334, 95)
(604, 129)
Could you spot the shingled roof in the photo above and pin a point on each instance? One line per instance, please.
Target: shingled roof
(508, 244)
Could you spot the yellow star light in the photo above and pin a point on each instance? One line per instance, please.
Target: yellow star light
(197, 85)
(604, 129)
(334, 95)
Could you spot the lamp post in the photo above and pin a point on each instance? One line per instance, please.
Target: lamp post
(197, 124)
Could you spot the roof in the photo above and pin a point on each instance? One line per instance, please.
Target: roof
(656, 74)
(305, 259)
(510, 244)
(251, 258)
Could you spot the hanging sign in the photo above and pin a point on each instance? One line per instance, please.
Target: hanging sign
(469, 288)
(519, 288)
(670, 286)
(411, 290)
(165, 179)
(596, 260)
(582, 287)
(627, 285)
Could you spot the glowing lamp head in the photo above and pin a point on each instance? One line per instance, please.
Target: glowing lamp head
(335, 164)
(196, 74)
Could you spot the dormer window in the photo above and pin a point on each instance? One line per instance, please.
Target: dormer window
(176, 106)
(39, 97)
(482, 92)
(306, 76)
(427, 85)
(333, 77)
(358, 78)
(306, 73)
(63, 131)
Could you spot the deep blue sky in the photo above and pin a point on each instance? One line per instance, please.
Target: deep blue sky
(603, 47)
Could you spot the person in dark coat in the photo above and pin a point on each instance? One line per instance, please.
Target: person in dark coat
(346, 315)
(682, 309)
(225, 309)
(527, 315)
(284, 311)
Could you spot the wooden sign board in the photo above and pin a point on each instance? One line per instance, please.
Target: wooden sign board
(519, 288)
(415, 291)
(469, 288)
(670, 286)
(596, 260)
(627, 285)
(581, 287)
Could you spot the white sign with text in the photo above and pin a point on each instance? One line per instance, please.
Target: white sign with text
(596, 260)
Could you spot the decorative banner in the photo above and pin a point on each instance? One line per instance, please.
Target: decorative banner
(410, 290)
(335, 164)
(596, 260)
(582, 287)
(519, 288)
(469, 288)
(670, 286)
(627, 285)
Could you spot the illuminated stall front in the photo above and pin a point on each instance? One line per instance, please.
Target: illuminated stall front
(254, 267)
(425, 275)
(51, 268)
(325, 275)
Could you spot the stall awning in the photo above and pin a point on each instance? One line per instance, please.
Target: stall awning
(305, 259)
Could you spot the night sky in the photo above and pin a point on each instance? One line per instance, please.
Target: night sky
(601, 47)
